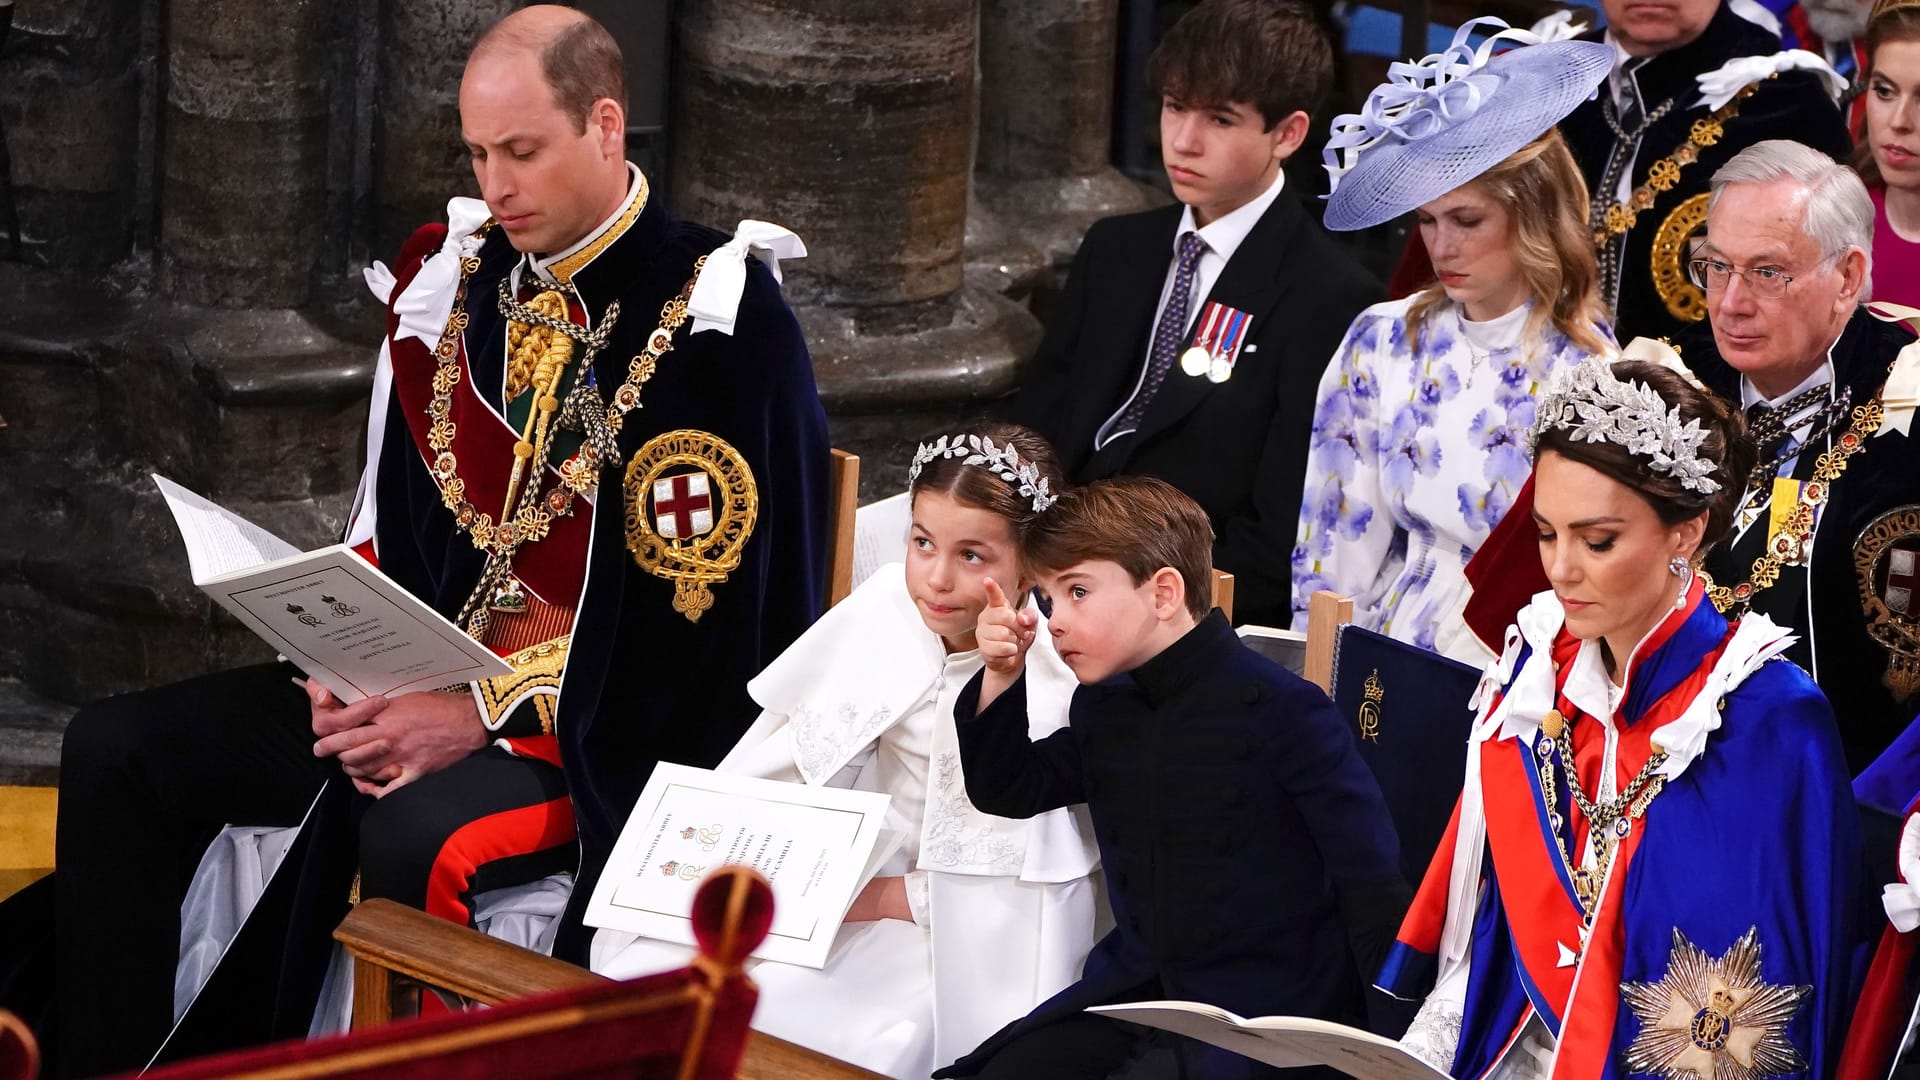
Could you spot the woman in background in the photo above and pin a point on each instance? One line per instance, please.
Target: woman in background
(1420, 418)
(1889, 159)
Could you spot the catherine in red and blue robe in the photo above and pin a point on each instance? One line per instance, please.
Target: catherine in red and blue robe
(1722, 941)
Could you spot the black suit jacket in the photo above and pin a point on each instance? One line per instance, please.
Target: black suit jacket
(1239, 448)
(1827, 611)
(1790, 106)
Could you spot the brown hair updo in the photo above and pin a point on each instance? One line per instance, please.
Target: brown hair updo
(975, 486)
(1726, 445)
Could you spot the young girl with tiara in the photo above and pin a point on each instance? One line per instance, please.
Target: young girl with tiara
(977, 919)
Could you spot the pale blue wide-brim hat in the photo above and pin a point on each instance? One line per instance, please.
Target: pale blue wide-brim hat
(1441, 121)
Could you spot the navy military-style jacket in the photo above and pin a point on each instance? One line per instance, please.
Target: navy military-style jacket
(1250, 859)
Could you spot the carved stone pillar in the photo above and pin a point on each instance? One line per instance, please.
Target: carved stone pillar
(70, 106)
(418, 163)
(243, 155)
(1046, 117)
(851, 123)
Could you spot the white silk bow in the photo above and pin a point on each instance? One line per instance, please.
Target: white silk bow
(1558, 26)
(1902, 390)
(715, 301)
(422, 309)
(1657, 351)
(1717, 87)
(1422, 96)
(1902, 899)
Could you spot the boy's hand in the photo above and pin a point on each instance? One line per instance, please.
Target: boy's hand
(1004, 635)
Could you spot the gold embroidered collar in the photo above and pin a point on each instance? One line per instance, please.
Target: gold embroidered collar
(575, 259)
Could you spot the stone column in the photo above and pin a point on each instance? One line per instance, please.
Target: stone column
(70, 103)
(1046, 118)
(418, 162)
(851, 122)
(244, 150)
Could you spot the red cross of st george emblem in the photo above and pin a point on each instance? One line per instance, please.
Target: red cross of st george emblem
(1903, 575)
(682, 506)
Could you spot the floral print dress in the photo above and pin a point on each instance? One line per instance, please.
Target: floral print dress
(1416, 453)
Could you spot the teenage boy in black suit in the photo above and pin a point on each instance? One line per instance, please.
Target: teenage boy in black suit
(1190, 339)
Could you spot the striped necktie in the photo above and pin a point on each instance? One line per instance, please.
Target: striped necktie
(1167, 337)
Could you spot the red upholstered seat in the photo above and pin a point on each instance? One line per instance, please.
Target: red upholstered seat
(19, 1053)
(689, 1024)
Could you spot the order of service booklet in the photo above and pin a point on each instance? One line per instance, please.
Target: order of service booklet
(1283, 1041)
(817, 847)
(331, 613)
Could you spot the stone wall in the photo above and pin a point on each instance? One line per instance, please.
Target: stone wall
(197, 183)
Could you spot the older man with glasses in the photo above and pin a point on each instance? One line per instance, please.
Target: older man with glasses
(1828, 537)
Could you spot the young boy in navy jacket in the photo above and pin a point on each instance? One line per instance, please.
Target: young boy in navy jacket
(1249, 857)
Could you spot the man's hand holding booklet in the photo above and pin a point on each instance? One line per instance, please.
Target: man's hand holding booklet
(331, 613)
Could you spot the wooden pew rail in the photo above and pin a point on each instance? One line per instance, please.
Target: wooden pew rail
(399, 953)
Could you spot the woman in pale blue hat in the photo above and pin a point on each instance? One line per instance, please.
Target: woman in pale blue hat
(1419, 427)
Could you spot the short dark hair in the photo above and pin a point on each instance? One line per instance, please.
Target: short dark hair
(1142, 523)
(972, 485)
(581, 62)
(1726, 444)
(1270, 54)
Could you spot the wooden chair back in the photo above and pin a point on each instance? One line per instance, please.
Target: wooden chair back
(843, 493)
(1327, 612)
(1223, 592)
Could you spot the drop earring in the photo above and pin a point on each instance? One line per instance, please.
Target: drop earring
(1679, 567)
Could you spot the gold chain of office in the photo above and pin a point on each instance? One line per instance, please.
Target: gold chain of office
(1662, 175)
(1609, 821)
(525, 516)
(1790, 543)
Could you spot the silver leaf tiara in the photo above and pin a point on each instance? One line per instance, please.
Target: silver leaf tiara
(1001, 461)
(1594, 406)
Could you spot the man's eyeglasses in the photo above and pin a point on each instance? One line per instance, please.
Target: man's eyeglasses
(1766, 282)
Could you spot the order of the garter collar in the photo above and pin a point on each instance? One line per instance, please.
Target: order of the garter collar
(1002, 461)
(1594, 406)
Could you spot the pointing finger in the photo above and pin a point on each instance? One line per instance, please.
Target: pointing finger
(995, 597)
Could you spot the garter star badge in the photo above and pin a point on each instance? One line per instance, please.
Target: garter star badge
(691, 504)
(1711, 1019)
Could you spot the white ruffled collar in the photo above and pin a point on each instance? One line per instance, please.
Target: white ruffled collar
(1531, 690)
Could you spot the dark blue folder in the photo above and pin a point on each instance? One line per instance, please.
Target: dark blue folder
(1407, 708)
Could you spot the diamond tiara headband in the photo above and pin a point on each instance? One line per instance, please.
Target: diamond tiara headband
(1594, 406)
(1002, 461)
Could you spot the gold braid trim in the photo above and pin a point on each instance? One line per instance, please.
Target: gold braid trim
(564, 269)
(536, 670)
(537, 353)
